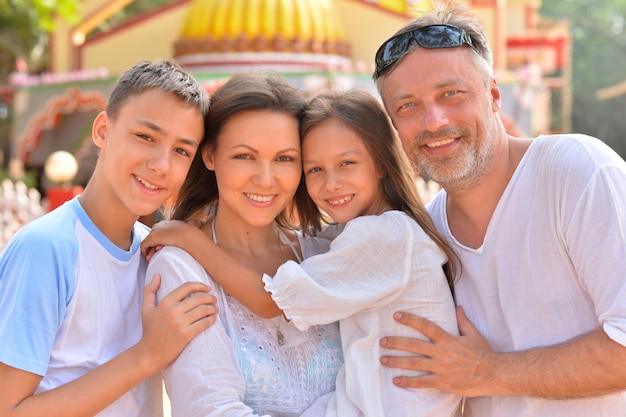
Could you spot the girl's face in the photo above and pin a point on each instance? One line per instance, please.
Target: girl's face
(341, 176)
(257, 165)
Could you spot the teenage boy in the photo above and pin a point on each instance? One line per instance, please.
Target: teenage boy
(79, 335)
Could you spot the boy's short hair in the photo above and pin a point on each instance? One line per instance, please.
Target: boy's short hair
(160, 75)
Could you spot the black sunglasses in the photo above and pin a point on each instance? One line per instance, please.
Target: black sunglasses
(432, 37)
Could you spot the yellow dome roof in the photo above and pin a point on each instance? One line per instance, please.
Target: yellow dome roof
(310, 26)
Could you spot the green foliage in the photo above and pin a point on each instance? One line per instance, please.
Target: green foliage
(598, 61)
(24, 29)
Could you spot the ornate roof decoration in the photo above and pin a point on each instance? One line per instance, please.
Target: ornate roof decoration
(291, 26)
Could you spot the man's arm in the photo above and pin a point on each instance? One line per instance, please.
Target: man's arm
(584, 366)
(168, 327)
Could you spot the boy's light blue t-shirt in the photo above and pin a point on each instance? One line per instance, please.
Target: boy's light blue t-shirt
(70, 299)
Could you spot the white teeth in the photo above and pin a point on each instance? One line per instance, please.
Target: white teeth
(340, 201)
(440, 143)
(260, 198)
(146, 184)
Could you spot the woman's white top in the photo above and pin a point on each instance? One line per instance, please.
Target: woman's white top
(236, 367)
(378, 265)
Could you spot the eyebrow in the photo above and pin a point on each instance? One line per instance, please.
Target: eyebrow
(341, 155)
(243, 145)
(162, 131)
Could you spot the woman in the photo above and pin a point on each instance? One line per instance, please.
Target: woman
(248, 170)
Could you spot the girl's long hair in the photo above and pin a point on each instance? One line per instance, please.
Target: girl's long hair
(363, 113)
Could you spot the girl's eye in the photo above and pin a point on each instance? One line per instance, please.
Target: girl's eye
(183, 152)
(145, 137)
(313, 170)
(344, 163)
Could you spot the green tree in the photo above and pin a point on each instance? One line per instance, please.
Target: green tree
(598, 61)
(24, 29)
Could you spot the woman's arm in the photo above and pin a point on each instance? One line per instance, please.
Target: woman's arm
(205, 379)
(237, 279)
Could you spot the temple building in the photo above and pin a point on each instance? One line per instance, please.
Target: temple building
(315, 44)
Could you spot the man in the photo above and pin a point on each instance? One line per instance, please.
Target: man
(540, 230)
(72, 338)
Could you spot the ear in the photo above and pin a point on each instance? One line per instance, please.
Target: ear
(381, 172)
(100, 129)
(495, 95)
(208, 158)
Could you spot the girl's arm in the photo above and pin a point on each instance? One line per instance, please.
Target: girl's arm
(237, 279)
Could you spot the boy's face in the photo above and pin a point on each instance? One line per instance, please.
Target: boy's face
(146, 151)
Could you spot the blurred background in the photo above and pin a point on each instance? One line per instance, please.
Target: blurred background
(559, 64)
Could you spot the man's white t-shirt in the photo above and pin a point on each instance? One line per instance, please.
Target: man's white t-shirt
(552, 265)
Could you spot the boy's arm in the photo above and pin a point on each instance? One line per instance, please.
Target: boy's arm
(237, 279)
(168, 327)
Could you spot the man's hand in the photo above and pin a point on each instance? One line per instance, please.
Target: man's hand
(458, 364)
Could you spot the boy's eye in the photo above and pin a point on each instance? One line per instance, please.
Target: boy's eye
(313, 170)
(145, 137)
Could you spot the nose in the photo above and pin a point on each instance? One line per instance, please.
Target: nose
(332, 182)
(264, 176)
(435, 117)
(159, 162)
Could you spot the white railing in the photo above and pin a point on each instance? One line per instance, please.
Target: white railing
(18, 206)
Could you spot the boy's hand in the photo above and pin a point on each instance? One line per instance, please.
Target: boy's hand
(168, 233)
(178, 317)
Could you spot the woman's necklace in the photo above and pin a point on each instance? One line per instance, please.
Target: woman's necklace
(280, 338)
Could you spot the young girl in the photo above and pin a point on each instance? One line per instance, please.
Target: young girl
(388, 258)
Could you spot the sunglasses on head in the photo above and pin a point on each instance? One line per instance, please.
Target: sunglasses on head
(432, 37)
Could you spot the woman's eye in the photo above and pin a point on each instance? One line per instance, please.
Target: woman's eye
(284, 158)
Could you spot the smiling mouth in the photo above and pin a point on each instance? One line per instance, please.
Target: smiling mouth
(340, 201)
(146, 184)
(260, 198)
(439, 143)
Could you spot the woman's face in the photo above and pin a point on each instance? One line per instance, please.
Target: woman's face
(257, 164)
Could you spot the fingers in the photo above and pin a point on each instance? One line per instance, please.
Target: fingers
(150, 292)
(148, 252)
(426, 327)
(187, 289)
(466, 327)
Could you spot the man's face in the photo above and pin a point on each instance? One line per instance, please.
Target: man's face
(444, 111)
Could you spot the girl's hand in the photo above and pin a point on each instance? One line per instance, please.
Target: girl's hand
(169, 233)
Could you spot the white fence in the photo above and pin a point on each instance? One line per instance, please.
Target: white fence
(18, 205)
